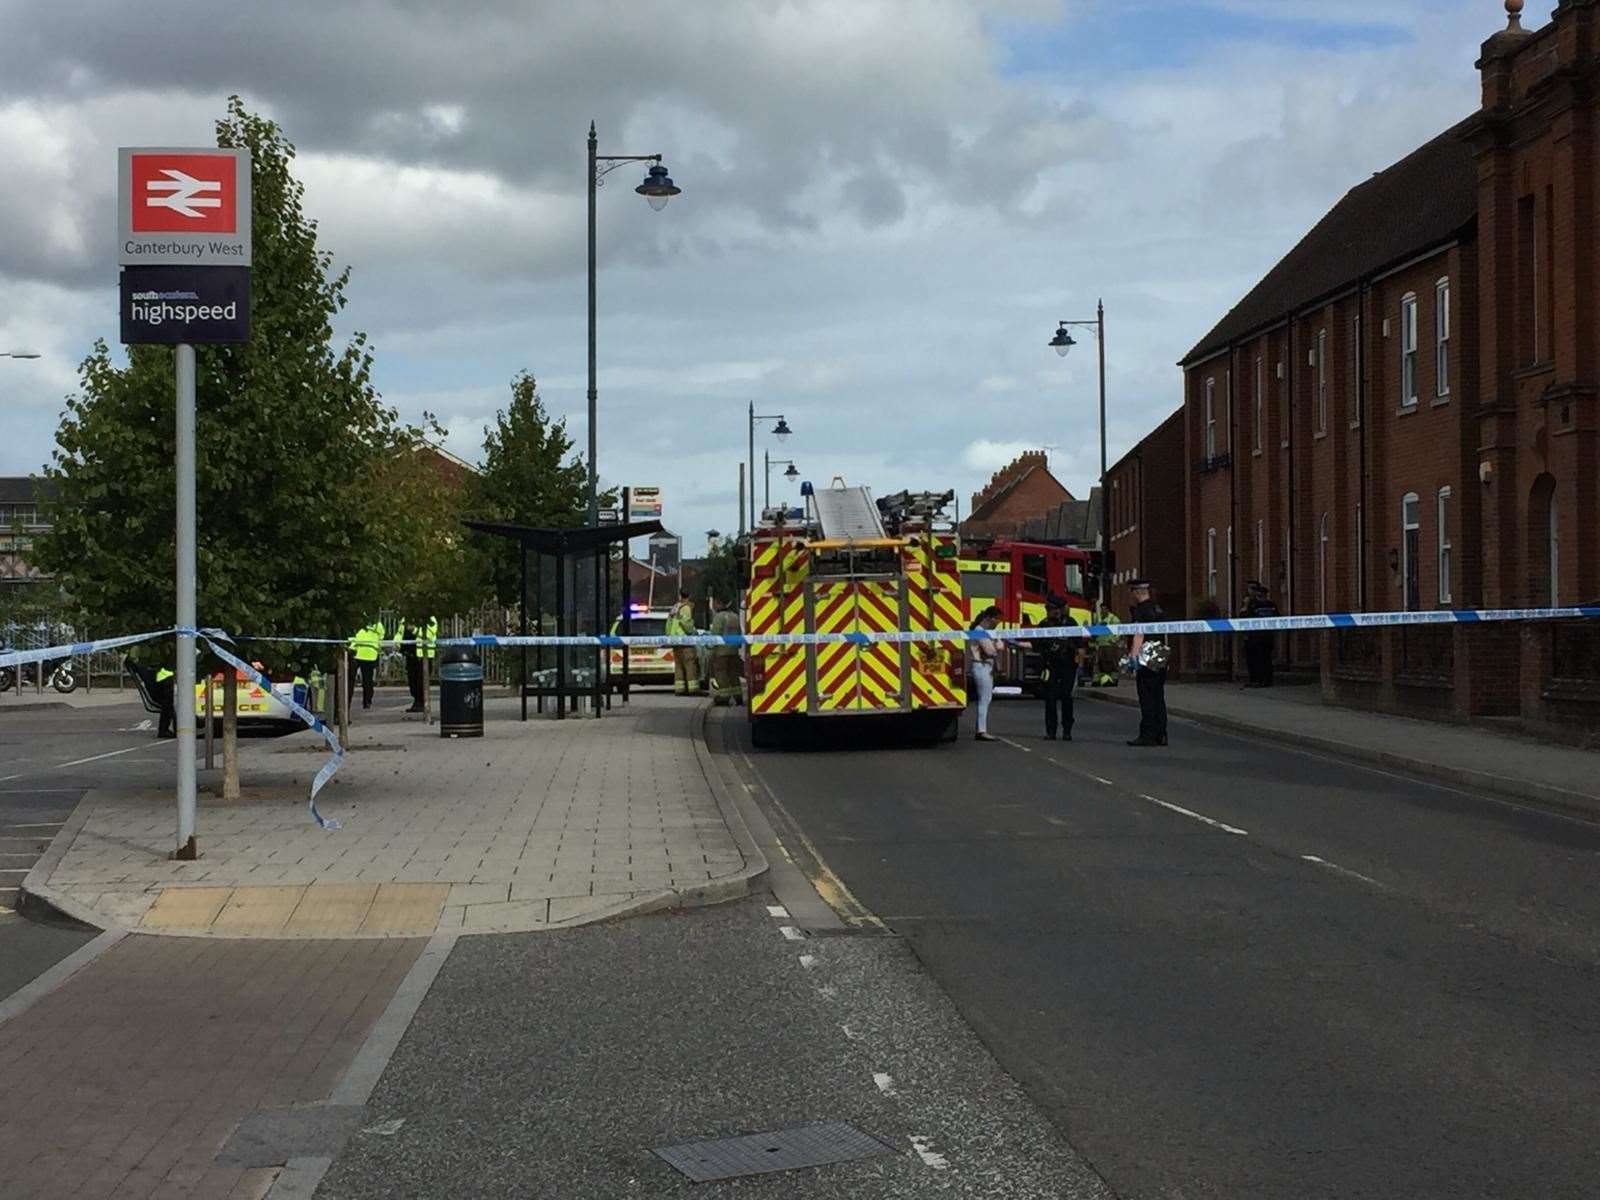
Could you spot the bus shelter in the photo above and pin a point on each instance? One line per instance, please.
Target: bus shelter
(569, 592)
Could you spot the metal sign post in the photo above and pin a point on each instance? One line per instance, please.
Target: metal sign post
(183, 242)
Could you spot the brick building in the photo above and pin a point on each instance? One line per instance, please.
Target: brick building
(1402, 413)
(24, 515)
(1146, 486)
(1017, 493)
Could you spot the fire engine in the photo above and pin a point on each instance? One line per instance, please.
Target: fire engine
(1016, 577)
(849, 564)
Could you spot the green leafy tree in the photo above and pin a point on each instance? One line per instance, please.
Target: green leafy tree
(529, 477)
(293, 534)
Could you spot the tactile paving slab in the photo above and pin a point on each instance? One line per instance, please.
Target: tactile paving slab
(763, 1153)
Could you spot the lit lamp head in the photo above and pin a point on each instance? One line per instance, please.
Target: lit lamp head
(1063, 341)
(658, 187)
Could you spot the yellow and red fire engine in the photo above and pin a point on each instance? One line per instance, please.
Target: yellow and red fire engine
(1016, 577)
(849, 564)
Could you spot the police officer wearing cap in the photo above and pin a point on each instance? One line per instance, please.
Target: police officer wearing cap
(1150, 674)
(1258, 646)
(1060, 669)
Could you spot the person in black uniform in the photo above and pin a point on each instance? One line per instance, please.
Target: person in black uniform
(411, 631)
(1060, 666)
(1258, 646)
(1150, 680)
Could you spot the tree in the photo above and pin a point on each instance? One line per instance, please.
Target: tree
(528, 478)
(293, 536)
(719, 575)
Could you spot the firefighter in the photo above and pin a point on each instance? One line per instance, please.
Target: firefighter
(685, 661)
(1149, 658)
(364, 646)
(1059, 669)
(1258, 646)
(722, 662)
(1105, 649)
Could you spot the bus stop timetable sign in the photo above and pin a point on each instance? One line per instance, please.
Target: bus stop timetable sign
(183, 207)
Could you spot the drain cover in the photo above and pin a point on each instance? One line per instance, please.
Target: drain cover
(785, 1150)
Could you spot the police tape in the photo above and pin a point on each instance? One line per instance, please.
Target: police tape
(212, 638)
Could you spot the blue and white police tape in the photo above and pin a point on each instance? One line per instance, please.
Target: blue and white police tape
(211, 637)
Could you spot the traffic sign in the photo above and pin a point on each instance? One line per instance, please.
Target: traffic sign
(183, 207)
(644, 503)
(199, 305)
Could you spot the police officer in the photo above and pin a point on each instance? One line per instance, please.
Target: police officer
(411, 633)
(1258, 646)
(166, 702)
(1059, 663)
(685, 661)
(364, 646)
(1150, 674)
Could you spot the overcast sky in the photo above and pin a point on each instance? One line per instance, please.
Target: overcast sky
(886, 203)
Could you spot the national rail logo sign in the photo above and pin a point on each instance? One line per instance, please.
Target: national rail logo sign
(183, 207)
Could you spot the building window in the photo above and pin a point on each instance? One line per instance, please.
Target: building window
(1554, 553)
(1410, 551)
(1321, 396)
(1211, 419)
(1408, 351)
(1261, 550)
(1211, 563)
(1441, 337)
(1443, 514)
(1322, 563)
(1255, 405)
(1232, 599)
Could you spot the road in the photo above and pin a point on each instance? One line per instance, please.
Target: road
(1229, 968)
(48, 759)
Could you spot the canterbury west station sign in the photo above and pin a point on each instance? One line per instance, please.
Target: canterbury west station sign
(183, 242)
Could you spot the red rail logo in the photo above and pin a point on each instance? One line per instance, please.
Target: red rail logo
(184, 193)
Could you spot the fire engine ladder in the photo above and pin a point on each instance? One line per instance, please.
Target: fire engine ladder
(847, 514)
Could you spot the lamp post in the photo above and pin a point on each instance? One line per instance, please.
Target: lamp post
(1063, 343)
(768, 463)
(657, 188)
(780, 431)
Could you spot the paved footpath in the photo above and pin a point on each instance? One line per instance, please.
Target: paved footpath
(533, 826)
(1471, 756)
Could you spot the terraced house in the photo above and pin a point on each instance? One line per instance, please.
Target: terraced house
(1402, 414)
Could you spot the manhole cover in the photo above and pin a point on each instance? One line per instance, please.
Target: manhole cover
(761, 1153)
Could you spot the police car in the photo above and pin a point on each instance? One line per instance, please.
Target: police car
(645, 663)
(261, 712)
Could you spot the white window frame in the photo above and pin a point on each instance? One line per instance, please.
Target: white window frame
(1255, 415)
(1410, 520)
(1211, 563)
(1441, 338)
(1211, 419)
(1442, 516)
(1322, 563)
(1356, 351)
(1408, 350)
(1232, 599)
(1261, 550)
(1322, 381)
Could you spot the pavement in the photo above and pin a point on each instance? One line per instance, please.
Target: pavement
(1472, 756)
(1231, 968)
(534, 826)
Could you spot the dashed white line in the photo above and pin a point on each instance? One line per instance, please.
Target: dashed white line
(1322, 862)
(777, 910)
(1097, 779)
(885, 1083)
(1188, 812)
(78, 762)
(925, 1151)
(793, 934)
(1016, 745)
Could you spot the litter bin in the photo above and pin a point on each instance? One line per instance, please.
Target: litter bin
(460, 692)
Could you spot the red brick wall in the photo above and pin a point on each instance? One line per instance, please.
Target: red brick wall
(1146, 488)
(1036, 494)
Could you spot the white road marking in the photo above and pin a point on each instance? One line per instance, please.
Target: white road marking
(808, 961)
(793, 934)
(777, 910)
(1322, 862)
(885, 1083)
(1097, 779)
(1016, 745)
(924, 1148)
(37, 825)
(851, 1033)
(1178, 808)
(13, 871)
(37, 791)
(77, 762)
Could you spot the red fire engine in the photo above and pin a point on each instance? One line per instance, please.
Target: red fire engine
(1016, 577)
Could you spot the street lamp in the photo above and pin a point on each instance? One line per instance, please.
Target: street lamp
(18, 354)
(657, 188)
(768, 463)
(781, 431)
(1063, 343)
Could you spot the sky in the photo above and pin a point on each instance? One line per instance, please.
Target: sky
(886, 206)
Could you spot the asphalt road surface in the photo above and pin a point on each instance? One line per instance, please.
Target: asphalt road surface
(48, 759)
(1229, 968)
